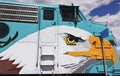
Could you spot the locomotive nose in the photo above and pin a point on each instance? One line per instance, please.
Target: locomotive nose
(4, 30)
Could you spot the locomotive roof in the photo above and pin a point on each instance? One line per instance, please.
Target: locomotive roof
(32, 4)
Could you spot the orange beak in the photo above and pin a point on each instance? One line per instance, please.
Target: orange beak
(96, 51)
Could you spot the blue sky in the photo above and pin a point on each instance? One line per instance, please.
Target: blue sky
(112, 8)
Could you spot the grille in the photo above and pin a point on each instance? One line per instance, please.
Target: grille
(18, 12)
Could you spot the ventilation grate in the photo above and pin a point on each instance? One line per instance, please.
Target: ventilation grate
(18, 12)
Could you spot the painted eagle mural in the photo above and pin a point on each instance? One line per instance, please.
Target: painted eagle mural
(54, 39)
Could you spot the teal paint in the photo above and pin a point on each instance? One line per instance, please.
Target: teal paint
(25, 29)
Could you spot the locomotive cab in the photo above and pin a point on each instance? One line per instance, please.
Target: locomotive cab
(53, 39)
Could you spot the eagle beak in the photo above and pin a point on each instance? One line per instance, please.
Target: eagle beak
(96, 51)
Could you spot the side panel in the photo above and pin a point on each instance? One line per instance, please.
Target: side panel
(47, 40)
(18, 46)
(21, 48)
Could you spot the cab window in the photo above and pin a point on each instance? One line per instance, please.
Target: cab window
(70, 13)
(48, 14)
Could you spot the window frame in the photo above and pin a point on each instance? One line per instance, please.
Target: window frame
(48, 18)
(78, 16)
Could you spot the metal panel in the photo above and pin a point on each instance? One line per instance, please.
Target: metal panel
(18, 12)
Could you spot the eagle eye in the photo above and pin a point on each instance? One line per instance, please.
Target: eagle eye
(72, 40)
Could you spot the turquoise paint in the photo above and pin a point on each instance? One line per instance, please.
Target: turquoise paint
(109, 67)
(25, 29)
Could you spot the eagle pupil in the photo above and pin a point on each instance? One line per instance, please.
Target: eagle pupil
(71, 38)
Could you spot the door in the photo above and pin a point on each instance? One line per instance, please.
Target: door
(48, 28)
(47, 40)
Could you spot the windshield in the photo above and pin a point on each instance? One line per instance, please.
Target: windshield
(70, 13)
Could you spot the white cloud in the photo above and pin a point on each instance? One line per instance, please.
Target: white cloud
(108, 18)
(118, 48)
(116, 32)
